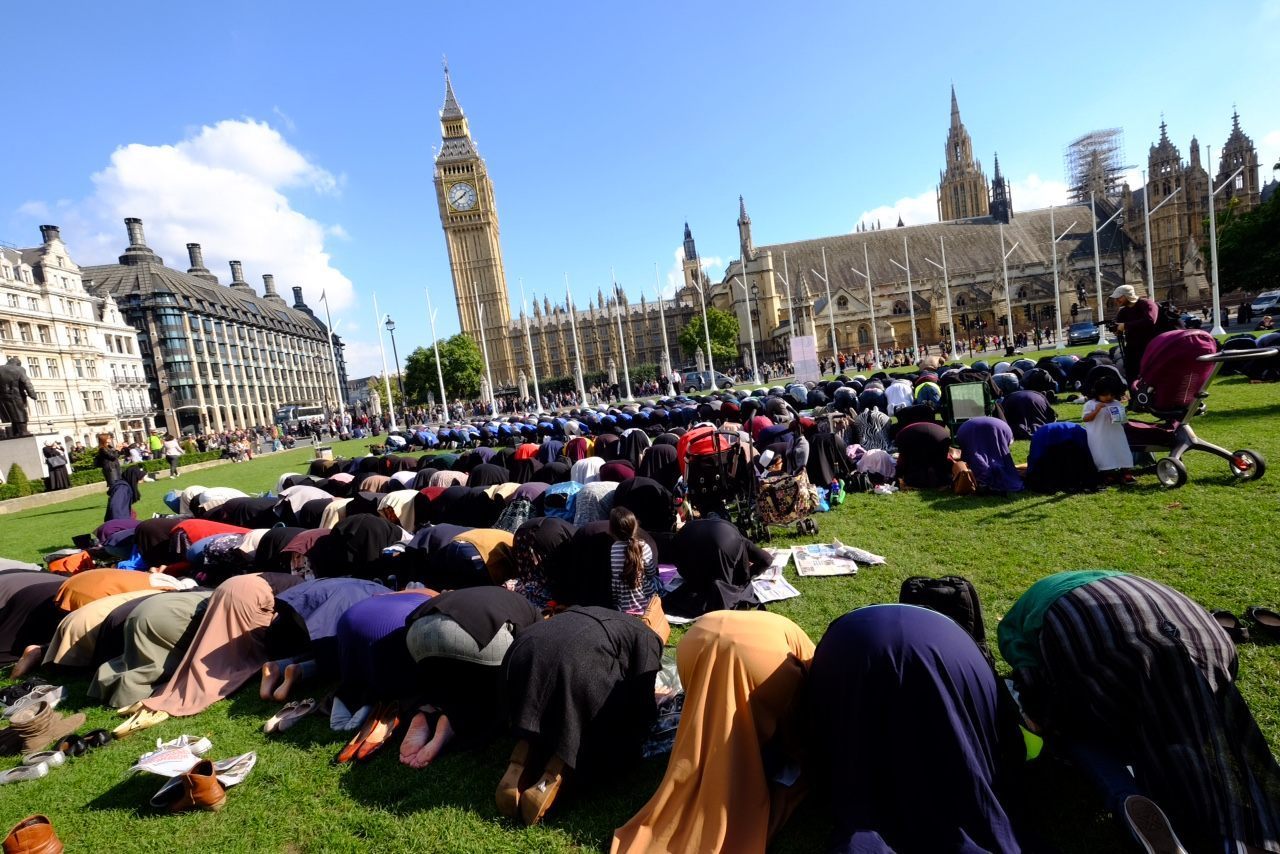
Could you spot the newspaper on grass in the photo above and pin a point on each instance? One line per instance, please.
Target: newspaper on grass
(771, 585)
(834, 558)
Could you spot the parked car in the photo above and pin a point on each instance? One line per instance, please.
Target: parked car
(1267, 302)
(701, 381)
(1084, 333)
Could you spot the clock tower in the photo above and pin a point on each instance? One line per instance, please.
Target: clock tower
(469, 216)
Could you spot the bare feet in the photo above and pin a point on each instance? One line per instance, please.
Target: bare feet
(270, 679)
(30, 660)
(292, 675)
(415, 738)
(433, 748)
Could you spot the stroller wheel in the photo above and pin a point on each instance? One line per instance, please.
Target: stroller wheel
(1170, 472)
(1248, 465)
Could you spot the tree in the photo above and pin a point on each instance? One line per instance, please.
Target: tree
(1249, 248)
(724, 336)
(461, 363)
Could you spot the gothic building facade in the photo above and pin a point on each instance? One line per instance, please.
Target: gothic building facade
(962, 185)
(1176, 194)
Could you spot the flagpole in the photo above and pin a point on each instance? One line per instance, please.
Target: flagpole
(484, 346)
(435, 343)
(386, 379)
(528, 337)
(662, 319)
(573, 328)
(622, 339)
(333, 355)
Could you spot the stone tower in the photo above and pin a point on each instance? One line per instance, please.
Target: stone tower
(1237, 152)
(962, 190)
(1165, 175)
(1001, 198)
(469, 216)
(691, 262)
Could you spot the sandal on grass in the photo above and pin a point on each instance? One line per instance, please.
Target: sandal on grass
(1231, 624)
(1265, 619)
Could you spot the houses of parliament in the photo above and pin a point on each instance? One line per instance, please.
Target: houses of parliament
(866, 300)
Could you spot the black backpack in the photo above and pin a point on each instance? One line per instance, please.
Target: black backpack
(953, 596)
(1168, 317)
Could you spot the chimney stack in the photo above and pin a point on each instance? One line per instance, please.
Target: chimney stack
(237, 273)
(50, 233)
(136, 237)
(197, 258)
(298, 301)
(268, 284)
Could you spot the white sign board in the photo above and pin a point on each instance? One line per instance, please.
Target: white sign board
(804, 355)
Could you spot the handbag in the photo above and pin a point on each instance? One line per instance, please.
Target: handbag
(56, 461)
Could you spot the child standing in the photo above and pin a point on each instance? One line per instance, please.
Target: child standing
(1104, 423)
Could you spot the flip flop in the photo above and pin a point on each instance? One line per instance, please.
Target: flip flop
(1231, 624)
(143, 719)
(381, 733)
(1265, 619)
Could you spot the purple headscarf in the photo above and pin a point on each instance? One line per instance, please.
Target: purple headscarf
(984, 444)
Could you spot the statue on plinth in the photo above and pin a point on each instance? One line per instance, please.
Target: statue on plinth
(15, 388)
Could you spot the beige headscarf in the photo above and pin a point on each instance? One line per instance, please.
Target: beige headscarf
(742, 673)
(77, 635)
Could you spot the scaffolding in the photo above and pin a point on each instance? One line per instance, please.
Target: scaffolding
(1095, 164)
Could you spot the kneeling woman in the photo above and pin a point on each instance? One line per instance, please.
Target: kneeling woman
(1124, 673)
(903, 713)
(579, 696)
(742, 673)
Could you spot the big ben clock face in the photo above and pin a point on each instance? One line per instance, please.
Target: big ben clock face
(462, 196)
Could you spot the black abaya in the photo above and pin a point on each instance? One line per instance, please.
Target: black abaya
(716, 564)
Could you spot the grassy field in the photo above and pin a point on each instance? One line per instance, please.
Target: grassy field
(1213, 539)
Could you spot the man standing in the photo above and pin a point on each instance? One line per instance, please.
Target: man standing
(1136, 326)
(15, 388)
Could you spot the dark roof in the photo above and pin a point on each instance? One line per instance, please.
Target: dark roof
(973, 246)
(147, 278)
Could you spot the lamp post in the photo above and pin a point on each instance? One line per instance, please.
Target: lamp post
(484, 347)
(1008, 303)
(706, 327)
(622, 338)
(1057, 298)
(791, 306)
(871, 308)
(662, 321)
(391, 327)
(911, 301)
(1213, 241)
(1097, 262)
(577, 356)
(1147, 211)
(333, 357)
(435, 343)
(946, 289)
(751, 333)
(831, 311)
(528, 337)
(386, 381)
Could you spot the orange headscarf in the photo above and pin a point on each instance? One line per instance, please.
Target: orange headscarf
(742, 672)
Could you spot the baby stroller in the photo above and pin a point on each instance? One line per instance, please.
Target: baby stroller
(1172, 384)
(784, 498)
(718, 474)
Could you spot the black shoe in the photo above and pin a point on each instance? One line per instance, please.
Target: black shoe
(1150, 826)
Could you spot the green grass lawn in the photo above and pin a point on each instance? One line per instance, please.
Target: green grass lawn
(1213, 539)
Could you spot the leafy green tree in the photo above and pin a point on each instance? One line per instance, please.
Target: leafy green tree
(461, 363)
(1249, 248)
(724, 336)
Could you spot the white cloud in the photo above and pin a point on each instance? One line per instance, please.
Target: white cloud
(675, 274)
(1030, 193)
(36, 209)
(284, 118)
(336, 230)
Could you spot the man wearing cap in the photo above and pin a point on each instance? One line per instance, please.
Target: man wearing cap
(1136, 323)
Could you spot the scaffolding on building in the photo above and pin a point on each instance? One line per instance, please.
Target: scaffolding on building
(1095, 164)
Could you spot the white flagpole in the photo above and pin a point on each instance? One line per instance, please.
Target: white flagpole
(484, 347)
(528, 337)
(333, 356)
(573, 328)
(435, 343)
(662, 319)
(386, 378)
(622, 338)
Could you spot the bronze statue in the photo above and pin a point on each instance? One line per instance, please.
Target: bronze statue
(15, 388)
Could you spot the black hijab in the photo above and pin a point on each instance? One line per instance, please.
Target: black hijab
(661, 463)
(523, 471)
(556, 472)
(923, 460)
(712, 557)
(633, 446)
(649, 500)
(486, 474)
(270, 556)
(356, 545)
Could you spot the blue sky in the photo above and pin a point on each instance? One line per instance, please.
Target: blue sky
(298, 137)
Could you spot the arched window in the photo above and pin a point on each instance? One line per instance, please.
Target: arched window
(899, 307)
(864, 336)
(1022, 292)
(842, 302)
(961, 302)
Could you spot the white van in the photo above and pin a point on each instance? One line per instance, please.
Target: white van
(1267, 302)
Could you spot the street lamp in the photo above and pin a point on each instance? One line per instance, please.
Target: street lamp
(1057, 298)
(391, 327)
(911, 300)
(1213, 241)
(1147, 211)
(946, 287)
(751, 334)
(1008, 303)
(1097, 261)
(871, 308)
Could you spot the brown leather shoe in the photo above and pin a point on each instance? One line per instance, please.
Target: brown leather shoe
(538, 798)
(516, 779)
(200, 790)
(33, 835)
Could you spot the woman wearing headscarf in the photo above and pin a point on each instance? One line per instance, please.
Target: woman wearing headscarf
(579, 691)
(742, 674)
(875, 429)
(123, 494)
(1137, 684)
(458, 640)
(225, 652)
(154, 638)
(107, 458)
(635, 442)
(593, 503)
(1027, 411)
(355, 546)
(76, 636)
(399, 507)
(660, 464)
(924, 456)
(55, 457)
(617, 471)
(716, 563)
(984, 444)
(536, 544)
(27, 617)
(553, 472)
(270, 555)
(882, 677)
(587, 470)
(522, 471)
(649, 500)
(293, 498)
(473, 558)
(486, 474)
